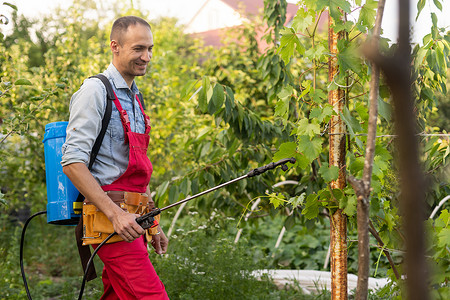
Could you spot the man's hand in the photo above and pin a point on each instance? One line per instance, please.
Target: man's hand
(160, 241)
(124, 223)
(126, 227)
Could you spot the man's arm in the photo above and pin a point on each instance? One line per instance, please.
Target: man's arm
(124, 223)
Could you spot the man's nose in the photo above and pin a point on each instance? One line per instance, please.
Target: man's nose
(147, 56)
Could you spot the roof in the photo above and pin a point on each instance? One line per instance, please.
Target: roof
(254, 7)
(249, 8)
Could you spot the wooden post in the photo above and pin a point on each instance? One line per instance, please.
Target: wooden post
(338, 221)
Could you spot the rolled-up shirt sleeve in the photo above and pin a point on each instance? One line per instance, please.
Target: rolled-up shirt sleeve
(87, 108)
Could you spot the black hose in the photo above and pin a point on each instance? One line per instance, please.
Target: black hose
(22, 238)
(91, 259)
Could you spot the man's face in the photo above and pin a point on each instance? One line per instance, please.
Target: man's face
(134, 52)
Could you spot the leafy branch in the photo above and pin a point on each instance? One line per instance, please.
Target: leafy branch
(32, 111)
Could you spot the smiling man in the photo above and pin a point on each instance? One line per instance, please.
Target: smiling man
(116, 187)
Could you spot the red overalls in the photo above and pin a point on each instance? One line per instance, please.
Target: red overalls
(128, 272)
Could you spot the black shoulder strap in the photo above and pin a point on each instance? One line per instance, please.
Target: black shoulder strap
(106, 117)
(105, 121)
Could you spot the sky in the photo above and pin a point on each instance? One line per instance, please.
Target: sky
(185, 9)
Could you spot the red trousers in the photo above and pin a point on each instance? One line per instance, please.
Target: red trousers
(128, 273)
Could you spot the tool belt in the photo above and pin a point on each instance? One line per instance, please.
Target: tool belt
(97, 227)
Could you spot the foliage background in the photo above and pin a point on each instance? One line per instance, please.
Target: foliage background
(252, 109)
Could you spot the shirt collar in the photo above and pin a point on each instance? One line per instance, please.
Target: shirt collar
(118, 80)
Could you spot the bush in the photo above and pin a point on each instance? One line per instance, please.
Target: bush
(204, 263)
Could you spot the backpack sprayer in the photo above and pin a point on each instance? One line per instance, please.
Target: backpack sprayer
(62, 207)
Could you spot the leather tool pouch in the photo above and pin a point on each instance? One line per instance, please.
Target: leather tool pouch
(97, 227)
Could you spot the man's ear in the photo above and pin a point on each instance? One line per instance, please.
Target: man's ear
(114, 45)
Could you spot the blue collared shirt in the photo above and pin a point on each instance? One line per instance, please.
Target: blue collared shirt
(87, 108)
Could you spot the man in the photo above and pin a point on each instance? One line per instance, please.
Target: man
(117, 183)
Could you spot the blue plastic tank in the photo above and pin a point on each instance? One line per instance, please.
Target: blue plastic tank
(61, 193)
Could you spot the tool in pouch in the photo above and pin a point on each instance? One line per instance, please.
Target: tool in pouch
(96, 226)
(149, 220)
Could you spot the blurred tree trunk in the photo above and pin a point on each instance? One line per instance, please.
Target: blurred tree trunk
(397, 70)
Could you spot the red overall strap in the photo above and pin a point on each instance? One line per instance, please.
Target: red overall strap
(146, 118)
(139, 170)
(126, 120)
(123, 117)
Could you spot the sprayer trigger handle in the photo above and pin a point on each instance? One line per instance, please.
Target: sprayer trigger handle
(148, 220)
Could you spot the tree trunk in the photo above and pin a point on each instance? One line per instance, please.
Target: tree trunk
(338, 221)
(412, 198)
(397, 70)
(362, 188)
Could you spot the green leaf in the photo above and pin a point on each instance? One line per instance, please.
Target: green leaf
(444, 237)
(2, 199)
(438, 4)
(185, 187)
(329, 173)
(288, 43)
(368, 13)
(218, 96)
(335, 6)
(202, 134)
(297, 201)
(306, 128)
(351, 122)
(234, 146)
(173, 193)
(187, 89)
(22, 81)
(282, 106)
(36, 98)
(307, 87)
(202, 98)
(229, 105)
(10, 5)
(161, 190)
(289, 223)
(286, 150)
(384, 109)
(348, 204)
(348, 57)
(276, 199)
(311, 209)
(302, 161)
(443, 220)
(205, 94)
(303, 19)
(240, 111)
(347, 26)
(322, 114)
(316, 52)
(311, 148)
(318, 96)
(420, 6)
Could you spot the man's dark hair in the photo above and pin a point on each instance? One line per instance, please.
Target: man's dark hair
(121, 25)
